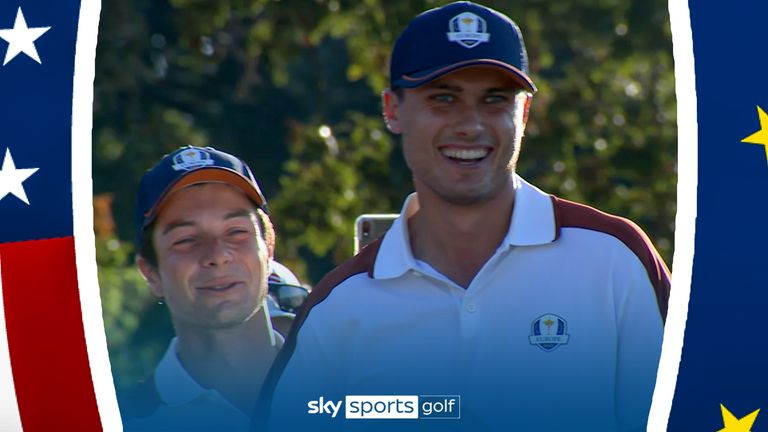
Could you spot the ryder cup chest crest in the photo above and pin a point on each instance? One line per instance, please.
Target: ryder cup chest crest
(548, 332)
(468, 30)
(192, 158)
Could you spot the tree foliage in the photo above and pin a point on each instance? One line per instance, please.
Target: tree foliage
(293, 87)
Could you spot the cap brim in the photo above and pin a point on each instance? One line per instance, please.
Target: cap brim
(208, 175)
(422, 77)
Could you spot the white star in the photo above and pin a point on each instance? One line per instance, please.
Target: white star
(12, 178)
(21, 39)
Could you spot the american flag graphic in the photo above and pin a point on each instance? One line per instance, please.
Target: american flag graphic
(54, 367)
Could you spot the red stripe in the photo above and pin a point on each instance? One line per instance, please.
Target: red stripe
(49, 361)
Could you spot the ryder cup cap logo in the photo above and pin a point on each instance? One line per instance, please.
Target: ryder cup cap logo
(192, 158)
(468, 30)
(548, 332)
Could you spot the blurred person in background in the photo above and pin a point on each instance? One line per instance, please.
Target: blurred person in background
(286, 295)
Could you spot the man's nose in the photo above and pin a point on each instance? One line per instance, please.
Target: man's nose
(469, 122)
(217, 253)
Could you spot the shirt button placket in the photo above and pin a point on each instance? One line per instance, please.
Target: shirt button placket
(469, 317)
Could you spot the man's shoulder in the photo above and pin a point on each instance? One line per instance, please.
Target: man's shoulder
(569, 214)
(362, 263)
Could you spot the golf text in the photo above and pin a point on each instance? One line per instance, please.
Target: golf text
(390, 407)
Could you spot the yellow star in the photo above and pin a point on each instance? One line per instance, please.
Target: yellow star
(732, 424)
(760, 137)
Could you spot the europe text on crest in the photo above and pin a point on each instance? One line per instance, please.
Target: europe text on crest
(468, 30)
(191, 158)
(548, 332)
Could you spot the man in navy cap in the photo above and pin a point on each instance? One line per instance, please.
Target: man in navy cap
(494, 304)
(205, 243)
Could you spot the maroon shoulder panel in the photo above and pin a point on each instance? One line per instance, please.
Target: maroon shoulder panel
(569, 214)
(360, 263)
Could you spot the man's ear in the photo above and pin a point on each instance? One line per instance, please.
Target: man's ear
(527, 107)
(390, 104)
(151, 275)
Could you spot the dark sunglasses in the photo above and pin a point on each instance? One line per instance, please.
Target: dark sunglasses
(288, 297)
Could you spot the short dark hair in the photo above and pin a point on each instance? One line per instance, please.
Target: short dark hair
(266, 230)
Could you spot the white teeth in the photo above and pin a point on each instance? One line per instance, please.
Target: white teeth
(465, 154)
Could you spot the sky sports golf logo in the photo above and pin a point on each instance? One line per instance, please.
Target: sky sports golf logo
(390, 407)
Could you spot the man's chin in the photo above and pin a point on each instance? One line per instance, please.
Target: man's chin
(469, 196)
(223, 319)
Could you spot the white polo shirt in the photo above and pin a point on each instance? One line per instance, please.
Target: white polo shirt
(560, 330)
(185, 405)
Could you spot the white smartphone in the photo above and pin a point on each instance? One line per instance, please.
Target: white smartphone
(371, 226)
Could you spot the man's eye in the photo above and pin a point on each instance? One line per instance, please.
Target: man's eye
(494, 99)
(443, 97)
(184, 241)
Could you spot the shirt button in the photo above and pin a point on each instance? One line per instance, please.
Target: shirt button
(471, 307)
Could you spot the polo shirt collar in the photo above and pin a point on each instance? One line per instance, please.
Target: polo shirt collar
(532, 223)
(174, 385)
(533, 217)
(395, 256)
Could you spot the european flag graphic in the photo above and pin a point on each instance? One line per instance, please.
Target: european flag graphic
(723, 378)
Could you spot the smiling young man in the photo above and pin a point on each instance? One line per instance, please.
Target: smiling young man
(205, 244)
(527, 311)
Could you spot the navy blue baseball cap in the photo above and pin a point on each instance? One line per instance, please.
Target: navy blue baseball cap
(457, 35)
(186, 166)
